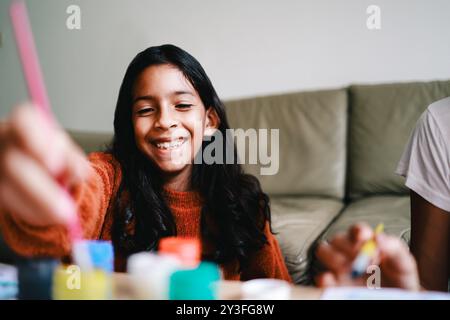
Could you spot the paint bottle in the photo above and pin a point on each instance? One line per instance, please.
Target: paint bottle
(195, 284)
(73, 283)
(35, 277)
(150, 274)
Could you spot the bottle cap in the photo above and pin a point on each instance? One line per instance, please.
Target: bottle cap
(186, 250)
(102, 254)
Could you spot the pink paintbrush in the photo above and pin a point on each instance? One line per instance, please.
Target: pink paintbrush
(38, 94)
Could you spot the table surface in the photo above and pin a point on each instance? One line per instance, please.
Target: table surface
(228, 290)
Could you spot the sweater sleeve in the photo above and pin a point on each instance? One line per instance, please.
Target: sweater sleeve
(92, 198)
(268, 262)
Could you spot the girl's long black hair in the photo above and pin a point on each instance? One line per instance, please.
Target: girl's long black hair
(235, 209)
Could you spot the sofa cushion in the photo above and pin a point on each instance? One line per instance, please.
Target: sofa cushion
(298, 222)
(392, 211)
(381, 119)
(312, 140)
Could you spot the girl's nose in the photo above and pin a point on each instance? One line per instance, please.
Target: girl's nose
(166, 119)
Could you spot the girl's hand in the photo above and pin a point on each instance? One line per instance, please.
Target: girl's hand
(35, 157)
(397, 266)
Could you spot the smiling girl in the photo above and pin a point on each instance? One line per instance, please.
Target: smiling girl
(147, 186)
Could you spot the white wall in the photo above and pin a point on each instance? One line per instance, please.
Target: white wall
(248, 48)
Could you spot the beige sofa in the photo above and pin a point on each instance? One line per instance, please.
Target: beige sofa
(338, 152)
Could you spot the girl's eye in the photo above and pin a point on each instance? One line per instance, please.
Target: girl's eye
(183, 106)
(145, 111)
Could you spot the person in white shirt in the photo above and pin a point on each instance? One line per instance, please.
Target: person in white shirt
(425, 164)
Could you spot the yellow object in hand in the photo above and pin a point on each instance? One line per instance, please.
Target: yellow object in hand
(366, 254)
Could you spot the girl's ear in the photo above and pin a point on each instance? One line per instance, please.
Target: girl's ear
(212, 121)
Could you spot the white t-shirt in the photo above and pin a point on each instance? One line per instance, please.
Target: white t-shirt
(425, 163)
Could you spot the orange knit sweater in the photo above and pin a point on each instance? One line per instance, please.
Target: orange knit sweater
(95, 199)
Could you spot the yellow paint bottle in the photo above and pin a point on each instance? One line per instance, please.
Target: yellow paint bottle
(71, 283)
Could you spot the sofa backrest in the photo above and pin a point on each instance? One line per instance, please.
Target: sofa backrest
(318, 155)
(312, 140)
(381, 118)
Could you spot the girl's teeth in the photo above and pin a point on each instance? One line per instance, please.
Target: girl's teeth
(170, 145)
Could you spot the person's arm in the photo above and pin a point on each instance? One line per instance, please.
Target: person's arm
(34, 210)
(430, 228)
(425, 165)
(92, 198)
(268, 262)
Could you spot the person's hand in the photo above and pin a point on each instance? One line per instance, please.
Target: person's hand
(36, 158)
(397, 266)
